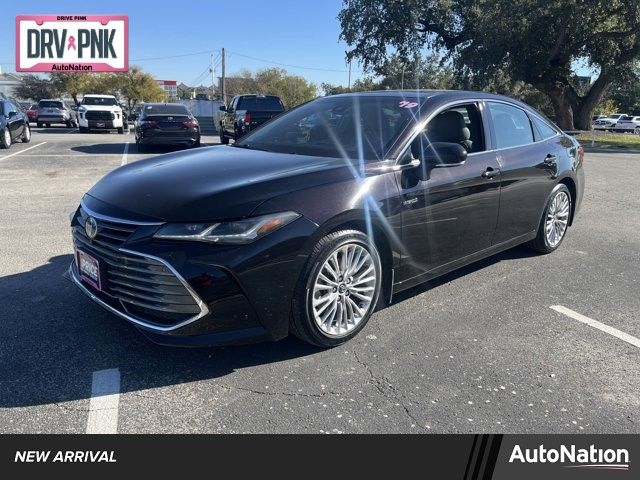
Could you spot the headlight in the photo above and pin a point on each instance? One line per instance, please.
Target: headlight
(236, 232)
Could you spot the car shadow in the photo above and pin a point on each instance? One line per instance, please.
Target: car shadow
(53, 338)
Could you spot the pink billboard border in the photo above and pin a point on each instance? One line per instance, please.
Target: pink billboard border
(97, 67)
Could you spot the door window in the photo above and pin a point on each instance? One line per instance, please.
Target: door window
(461, 124)
(511, 124)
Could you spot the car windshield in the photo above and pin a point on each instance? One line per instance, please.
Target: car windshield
(358, 127)
(48, 104)
(99, 101)
(165, 110)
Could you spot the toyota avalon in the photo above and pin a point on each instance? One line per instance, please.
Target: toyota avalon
(312, 221)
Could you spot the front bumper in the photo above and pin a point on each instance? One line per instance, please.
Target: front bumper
(243, 293)
(98, 124)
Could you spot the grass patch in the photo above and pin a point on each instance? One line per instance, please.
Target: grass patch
(628, 140)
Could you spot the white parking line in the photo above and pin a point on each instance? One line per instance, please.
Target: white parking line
(599, 325)
(125, 154)
(105, 399)
(22, 151)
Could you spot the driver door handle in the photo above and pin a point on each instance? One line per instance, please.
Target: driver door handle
(491, 172)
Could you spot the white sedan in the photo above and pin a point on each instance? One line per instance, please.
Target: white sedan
(628, 124)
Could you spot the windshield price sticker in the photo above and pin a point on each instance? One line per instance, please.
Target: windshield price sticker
(85, 43)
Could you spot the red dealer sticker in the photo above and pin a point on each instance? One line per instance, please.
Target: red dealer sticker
(72, 43)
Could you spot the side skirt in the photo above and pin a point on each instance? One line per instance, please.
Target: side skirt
(462, 262)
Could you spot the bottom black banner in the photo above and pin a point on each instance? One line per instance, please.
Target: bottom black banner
(464, 457)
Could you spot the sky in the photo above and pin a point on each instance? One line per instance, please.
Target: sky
(174, 40)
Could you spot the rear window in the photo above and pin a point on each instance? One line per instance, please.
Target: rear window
(260, 104)
(544, 130)
(511, 124)
(165, 110)
(50, 104)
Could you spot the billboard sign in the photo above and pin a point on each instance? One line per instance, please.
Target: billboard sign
(72, 43)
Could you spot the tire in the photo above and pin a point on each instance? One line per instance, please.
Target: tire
(26, 134)
(69, 124)
(48, 125)
(196, 144)
(121, 130)
(39, 124)
(636, 130)
(5, 139)
(547, 243)
(83, 129)
(141, 147)
(224, 140)
(313, 296)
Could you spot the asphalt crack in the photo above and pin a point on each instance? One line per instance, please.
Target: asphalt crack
(387, 390)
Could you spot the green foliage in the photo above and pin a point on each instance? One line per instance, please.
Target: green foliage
(292, 89)
(35, 88)
(533, 41)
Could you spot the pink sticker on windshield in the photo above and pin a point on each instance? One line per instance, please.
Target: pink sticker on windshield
(407, 104)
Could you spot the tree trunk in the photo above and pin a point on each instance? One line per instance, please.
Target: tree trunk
(562, 107)
(584, 111)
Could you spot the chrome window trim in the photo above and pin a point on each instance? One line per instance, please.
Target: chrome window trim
(421, 126)
(107, 218)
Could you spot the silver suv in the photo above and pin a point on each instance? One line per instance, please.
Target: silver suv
(55, 111)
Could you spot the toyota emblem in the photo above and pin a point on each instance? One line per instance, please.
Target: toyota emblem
(91, 227)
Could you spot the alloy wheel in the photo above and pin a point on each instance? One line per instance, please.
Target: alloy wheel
(557, 218)
(27, 133)
(7, 137)
(343, 290)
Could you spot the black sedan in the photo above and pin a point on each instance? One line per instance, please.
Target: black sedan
(166, 124)
(312, 221)
(14, 124)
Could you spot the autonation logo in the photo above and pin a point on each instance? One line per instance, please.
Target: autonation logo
(592, 457)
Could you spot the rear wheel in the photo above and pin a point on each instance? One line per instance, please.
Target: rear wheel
(5, 139)
(121, 130)
(83, 129)
(555, 221)
(39, 124)
(338, 289)
(196, 144)
(636, 130)
(224, 140)
(69, 124)
(26, 134)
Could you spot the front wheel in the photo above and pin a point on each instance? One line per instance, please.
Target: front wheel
(224, 140)
(338, 289)
(555, 221)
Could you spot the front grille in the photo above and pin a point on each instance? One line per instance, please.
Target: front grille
(144, 287)
(98, 115)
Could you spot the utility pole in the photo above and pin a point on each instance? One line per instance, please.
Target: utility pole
(223, 90)
(213, 88)
(349, 87)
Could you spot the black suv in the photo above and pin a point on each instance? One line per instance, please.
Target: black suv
(247, 112)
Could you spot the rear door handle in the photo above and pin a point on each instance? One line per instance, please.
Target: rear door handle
(491, 172)
(551, 159)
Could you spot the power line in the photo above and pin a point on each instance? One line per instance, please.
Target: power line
(290, 65)
(192, 54)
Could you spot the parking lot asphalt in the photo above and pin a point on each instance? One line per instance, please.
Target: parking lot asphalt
(479, 350)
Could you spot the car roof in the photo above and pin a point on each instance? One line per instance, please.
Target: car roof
(96, 95)
(51, 100)
(157, 104)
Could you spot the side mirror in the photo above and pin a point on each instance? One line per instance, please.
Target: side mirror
(223, 108)
(441, 154)
(12, 114)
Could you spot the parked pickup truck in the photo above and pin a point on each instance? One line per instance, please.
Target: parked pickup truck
(245, 113)
(100, 112)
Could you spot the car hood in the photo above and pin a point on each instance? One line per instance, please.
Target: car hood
(102, 108)
(212, 183)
